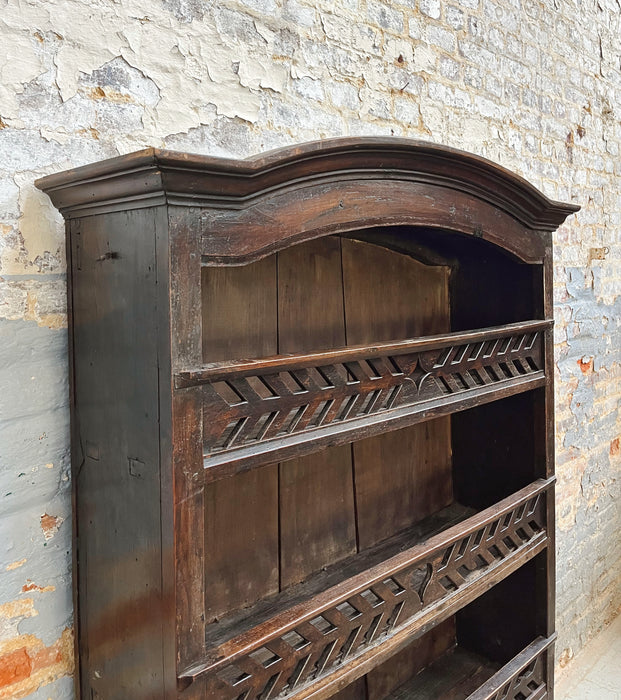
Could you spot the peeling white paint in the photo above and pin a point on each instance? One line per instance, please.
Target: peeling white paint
(82, 81)
(40, 225)
(19, 64)
(182, 59)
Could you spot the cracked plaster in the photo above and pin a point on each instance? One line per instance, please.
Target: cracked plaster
(81, 81)
(191, 53)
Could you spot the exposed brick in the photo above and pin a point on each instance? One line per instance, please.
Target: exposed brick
(510, 79)
(14, 667)
(431, 8)
(443, 38)
(385, 16)
(454, 17)
(309, 88)
(449, 68)
(344, 95)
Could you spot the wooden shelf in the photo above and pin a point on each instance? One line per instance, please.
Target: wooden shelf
(294, 641)
(260, 411)
(453, 676)
(339, 573)
(523, 678)
(461, 675)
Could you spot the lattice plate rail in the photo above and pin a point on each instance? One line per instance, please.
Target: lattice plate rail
(523, 678)
(286, 405)
(376, 611)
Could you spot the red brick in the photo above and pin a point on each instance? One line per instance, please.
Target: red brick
(14, 667)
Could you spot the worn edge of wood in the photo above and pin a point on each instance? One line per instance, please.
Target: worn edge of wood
(417, 626)
(513, 668)
(335, 595)
(229, 183)
(343, 570)
(218, 371)
(228, 463)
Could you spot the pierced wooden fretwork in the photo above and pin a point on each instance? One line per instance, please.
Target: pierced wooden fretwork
(302, 644)
(275, 402)
(523, 678)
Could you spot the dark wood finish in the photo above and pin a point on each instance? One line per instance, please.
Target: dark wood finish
(252, 210)
(336, 574)
(401, 477)
(240, 319)
(287, 411)
(370, 611)
(241, 541)
(117, 481)
(451, 677)
(317, 518)
(221, 371)
(397, 480)
(312, 424)
(240, 311)
(403, 666)
(525, 676)
(389, 295)
(354, 691)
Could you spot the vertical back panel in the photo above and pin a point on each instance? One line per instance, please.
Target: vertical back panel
(399, 669)
(240, 311)
(401, 477)
(241, 513)
(317, 522)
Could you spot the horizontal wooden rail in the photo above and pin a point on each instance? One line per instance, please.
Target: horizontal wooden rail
(221, 371)
(524, 677)
(224, 464)
(287, 406)
(377, 610)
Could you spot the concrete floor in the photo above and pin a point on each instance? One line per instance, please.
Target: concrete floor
(595, 674)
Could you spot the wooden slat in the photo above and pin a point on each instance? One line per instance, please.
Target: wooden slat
(394, 672)
(401, 478)
(354, 691)
(490, 689)
(220, 371)
(226, 463)
(337, 573)
(293, 617)
(241, 534)
(316, 513)
(404, 476)
(310, 297)
(451, 677)
(241, 513)
(317, 525)
(418, 626)
(239, 311)
(389, 295)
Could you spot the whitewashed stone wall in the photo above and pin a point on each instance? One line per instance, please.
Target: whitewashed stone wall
(534, 85)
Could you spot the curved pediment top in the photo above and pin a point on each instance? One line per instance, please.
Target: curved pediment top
(198, 180)
(250, 208)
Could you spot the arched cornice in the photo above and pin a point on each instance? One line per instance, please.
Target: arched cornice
(250, 208)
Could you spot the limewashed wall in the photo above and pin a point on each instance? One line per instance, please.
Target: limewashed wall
(535, 86)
